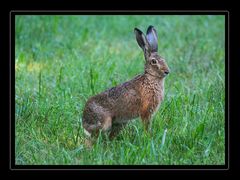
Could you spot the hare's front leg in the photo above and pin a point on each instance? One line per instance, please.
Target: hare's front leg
(146, 118)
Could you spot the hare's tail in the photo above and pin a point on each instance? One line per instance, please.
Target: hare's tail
(88, 129)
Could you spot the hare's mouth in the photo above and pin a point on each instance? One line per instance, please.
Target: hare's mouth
(165, 73)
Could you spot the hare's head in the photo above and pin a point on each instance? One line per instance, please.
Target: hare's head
(155, 65)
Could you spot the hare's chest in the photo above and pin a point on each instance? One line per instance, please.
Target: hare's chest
(151, 99)
(154, 103)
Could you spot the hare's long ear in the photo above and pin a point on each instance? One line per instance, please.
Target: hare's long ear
(142, 40)
(152, 38)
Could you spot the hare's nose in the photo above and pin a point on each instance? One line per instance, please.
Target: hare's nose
(166, 72)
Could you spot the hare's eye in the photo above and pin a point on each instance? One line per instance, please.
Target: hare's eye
(153, 61)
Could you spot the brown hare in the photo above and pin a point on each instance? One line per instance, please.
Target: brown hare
(139, 97)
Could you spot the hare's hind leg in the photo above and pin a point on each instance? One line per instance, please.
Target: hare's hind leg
(93, 129)
(96, 118)
(116, 129)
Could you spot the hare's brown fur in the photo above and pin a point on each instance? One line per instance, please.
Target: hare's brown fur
(139, 97)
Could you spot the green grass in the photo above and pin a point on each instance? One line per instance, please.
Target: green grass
(60, 61)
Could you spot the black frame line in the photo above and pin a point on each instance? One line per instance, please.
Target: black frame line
(14, 167)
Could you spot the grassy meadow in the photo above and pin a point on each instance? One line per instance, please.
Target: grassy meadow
(60, 61)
